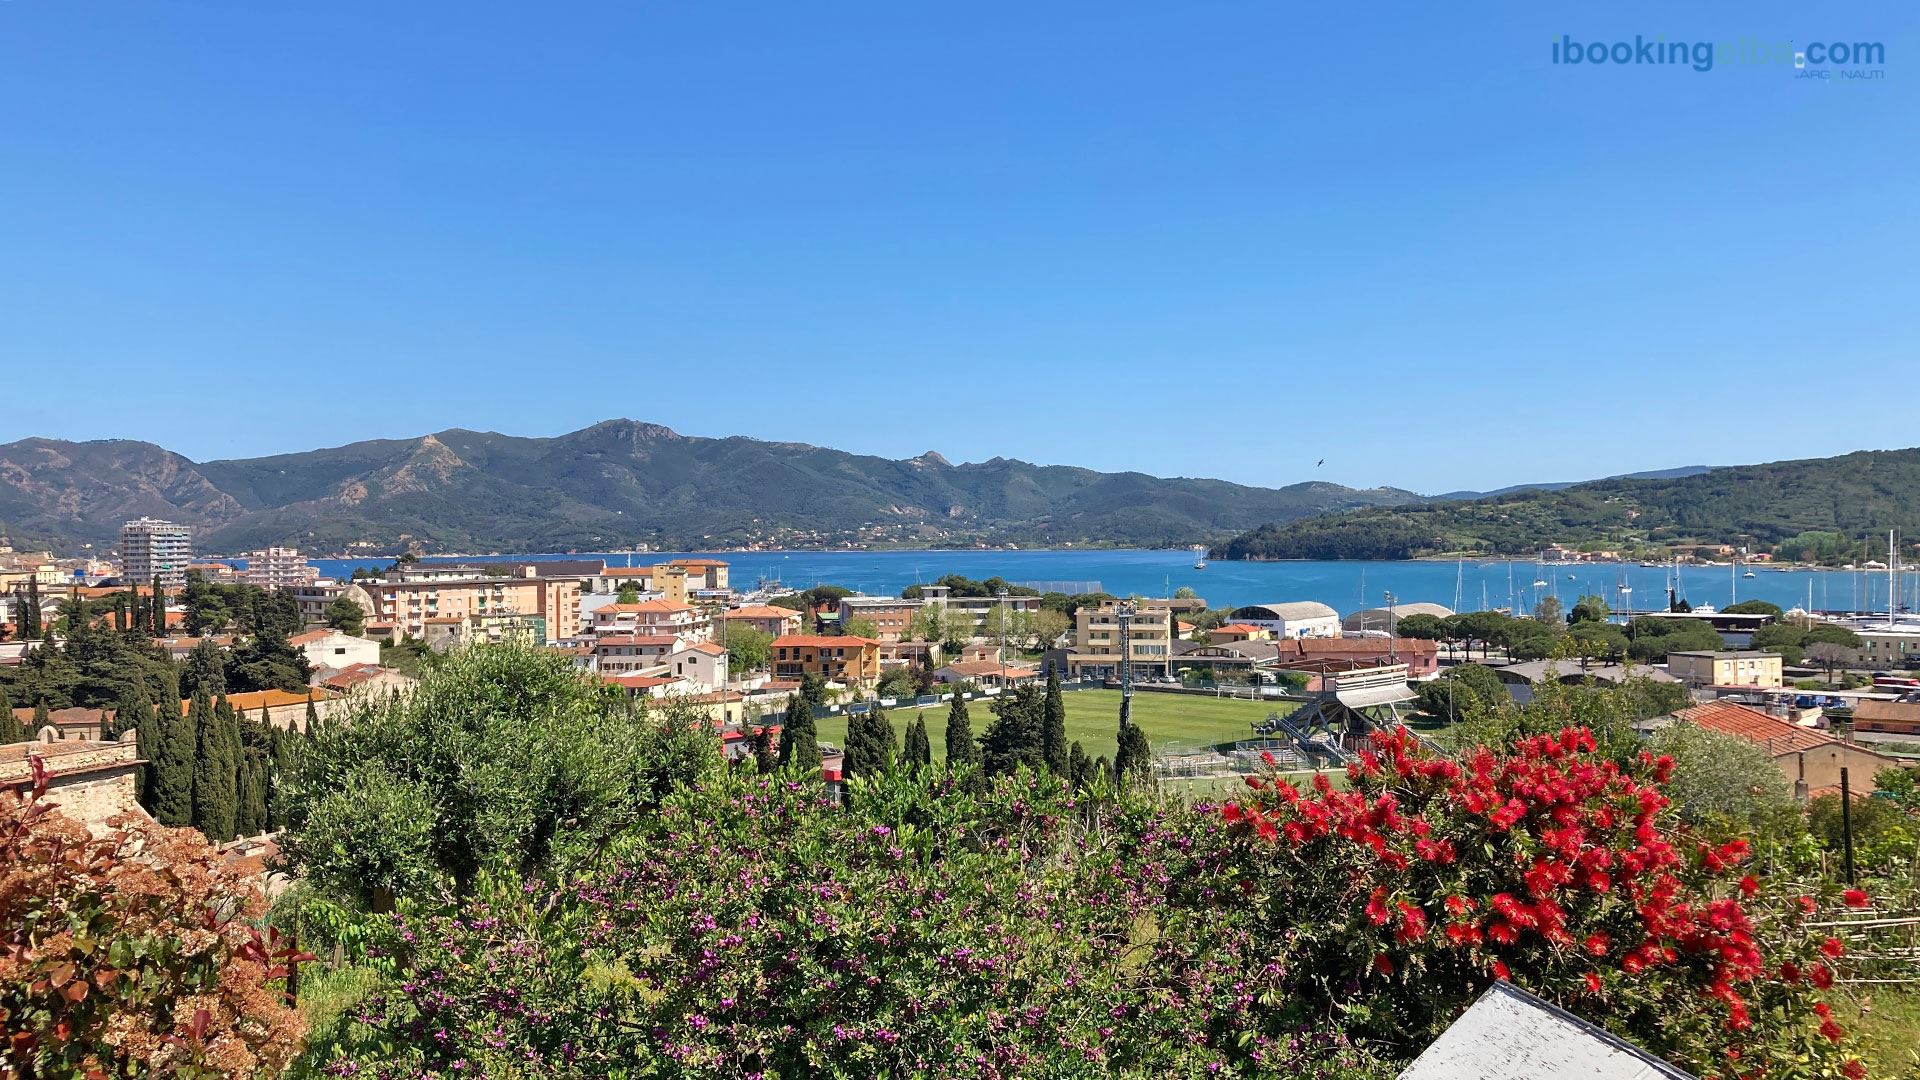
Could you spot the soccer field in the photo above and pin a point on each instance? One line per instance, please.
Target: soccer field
(1093, 718)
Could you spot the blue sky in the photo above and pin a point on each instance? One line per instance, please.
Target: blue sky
(1251, 234)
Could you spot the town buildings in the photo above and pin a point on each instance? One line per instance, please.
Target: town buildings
(765, 618)
(407, 601)
(277, 568)
(1727, 668)
(333, 649)
(155, 550)
(892, 617)
(1871, 717)
(976, 610)
(1809, 757)
(90, 782)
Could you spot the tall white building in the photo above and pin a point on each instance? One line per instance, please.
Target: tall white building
(278, 568)
(156, 550)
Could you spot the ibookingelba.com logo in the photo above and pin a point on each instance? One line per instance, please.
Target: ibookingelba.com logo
(1865, 58)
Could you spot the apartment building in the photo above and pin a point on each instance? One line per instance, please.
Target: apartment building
(631, 654)
(703, 575)
(1096, 641)
(977, 607)
(652, 617)
(152, 550)
(479, 603)
(1891, 647)
(278, 568)
(853, 661)
(892, 617)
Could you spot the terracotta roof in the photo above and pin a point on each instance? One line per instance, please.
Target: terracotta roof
(1364, 646)
(815, 641)
(352, 675)
(1238, 628)
(1903, 712)
(254, 700)
(311, 636)
(697, 562)
(638, 682)
(627, 571)
(1776, 735)
(761, 611)
(707, 647)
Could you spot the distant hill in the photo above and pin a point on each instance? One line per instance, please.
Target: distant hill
(613, 485)
(1653, 474)
(1824, 508)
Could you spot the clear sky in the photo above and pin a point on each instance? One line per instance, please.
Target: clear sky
(1250, 234)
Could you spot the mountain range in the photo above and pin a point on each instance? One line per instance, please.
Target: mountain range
(613, 485)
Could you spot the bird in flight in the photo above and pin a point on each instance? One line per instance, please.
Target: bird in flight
(1319, 463)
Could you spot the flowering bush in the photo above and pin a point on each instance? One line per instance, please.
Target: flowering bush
(131, 954)
(758, 929)
(1401, 898)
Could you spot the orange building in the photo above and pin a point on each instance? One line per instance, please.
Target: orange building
(854, 661)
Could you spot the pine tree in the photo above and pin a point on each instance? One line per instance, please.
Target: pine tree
(1133, 765)
(206, 669)
(962, 750)
(173, 759)
(799, 740)
(918, 754)
(1053, 725)
(215, 771)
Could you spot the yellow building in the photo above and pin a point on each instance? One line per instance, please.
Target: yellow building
(410, 605)
(853, 661)
(1096, 641)
(1748, 668)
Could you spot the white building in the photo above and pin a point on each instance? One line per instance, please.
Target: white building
(1298, 619)
(333, 649)
(278, 568)
(702, 664)
(153, 549)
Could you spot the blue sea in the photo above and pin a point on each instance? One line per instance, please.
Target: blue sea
(1345, 586)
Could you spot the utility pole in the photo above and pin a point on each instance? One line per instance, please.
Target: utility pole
(1001, 654)
(1124, 613)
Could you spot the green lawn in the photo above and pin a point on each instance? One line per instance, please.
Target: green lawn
(1094, 715)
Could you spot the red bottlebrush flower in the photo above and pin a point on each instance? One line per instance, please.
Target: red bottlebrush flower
(1806, 905)
(1632, 964)
(1599, 882)
(1832, 1031)
(1789, 973)
(1503, 932)
(1831, 948)
(1738, 1018)
(1500, 972)
(1230, 812)
(1749, 886)
(1853, 1070)
(1413, 924)
(1383, 963)
(1593, 982)
(1255, 782)
(1597, 942)
(1377, 907)
(1822, 1010)
(1459, 905)
(1856, 898)
(1268, 758)
(1267, 831)
(1463, 933)
(1821, 976)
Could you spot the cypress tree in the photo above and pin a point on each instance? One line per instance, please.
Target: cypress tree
(159, 610)
(282, 747)
(133, 707)
(1133, 765)
(9, 725)
(173, 759)
(40, 720)
(30, 612)
(799, 739)
(1079, 767)
(919, 751)
(1053, 725)
(1013, 739)
(215, 771)
(313, 714)
(962, 750)
(147, 743)
(863, 757)
(764, 760)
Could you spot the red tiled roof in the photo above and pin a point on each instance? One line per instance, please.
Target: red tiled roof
(1771, 732)
(761, 611)
(1237, 628)
(638, 682)
(697, 562)
(707, 647)
(310, 636)
(254, 700)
